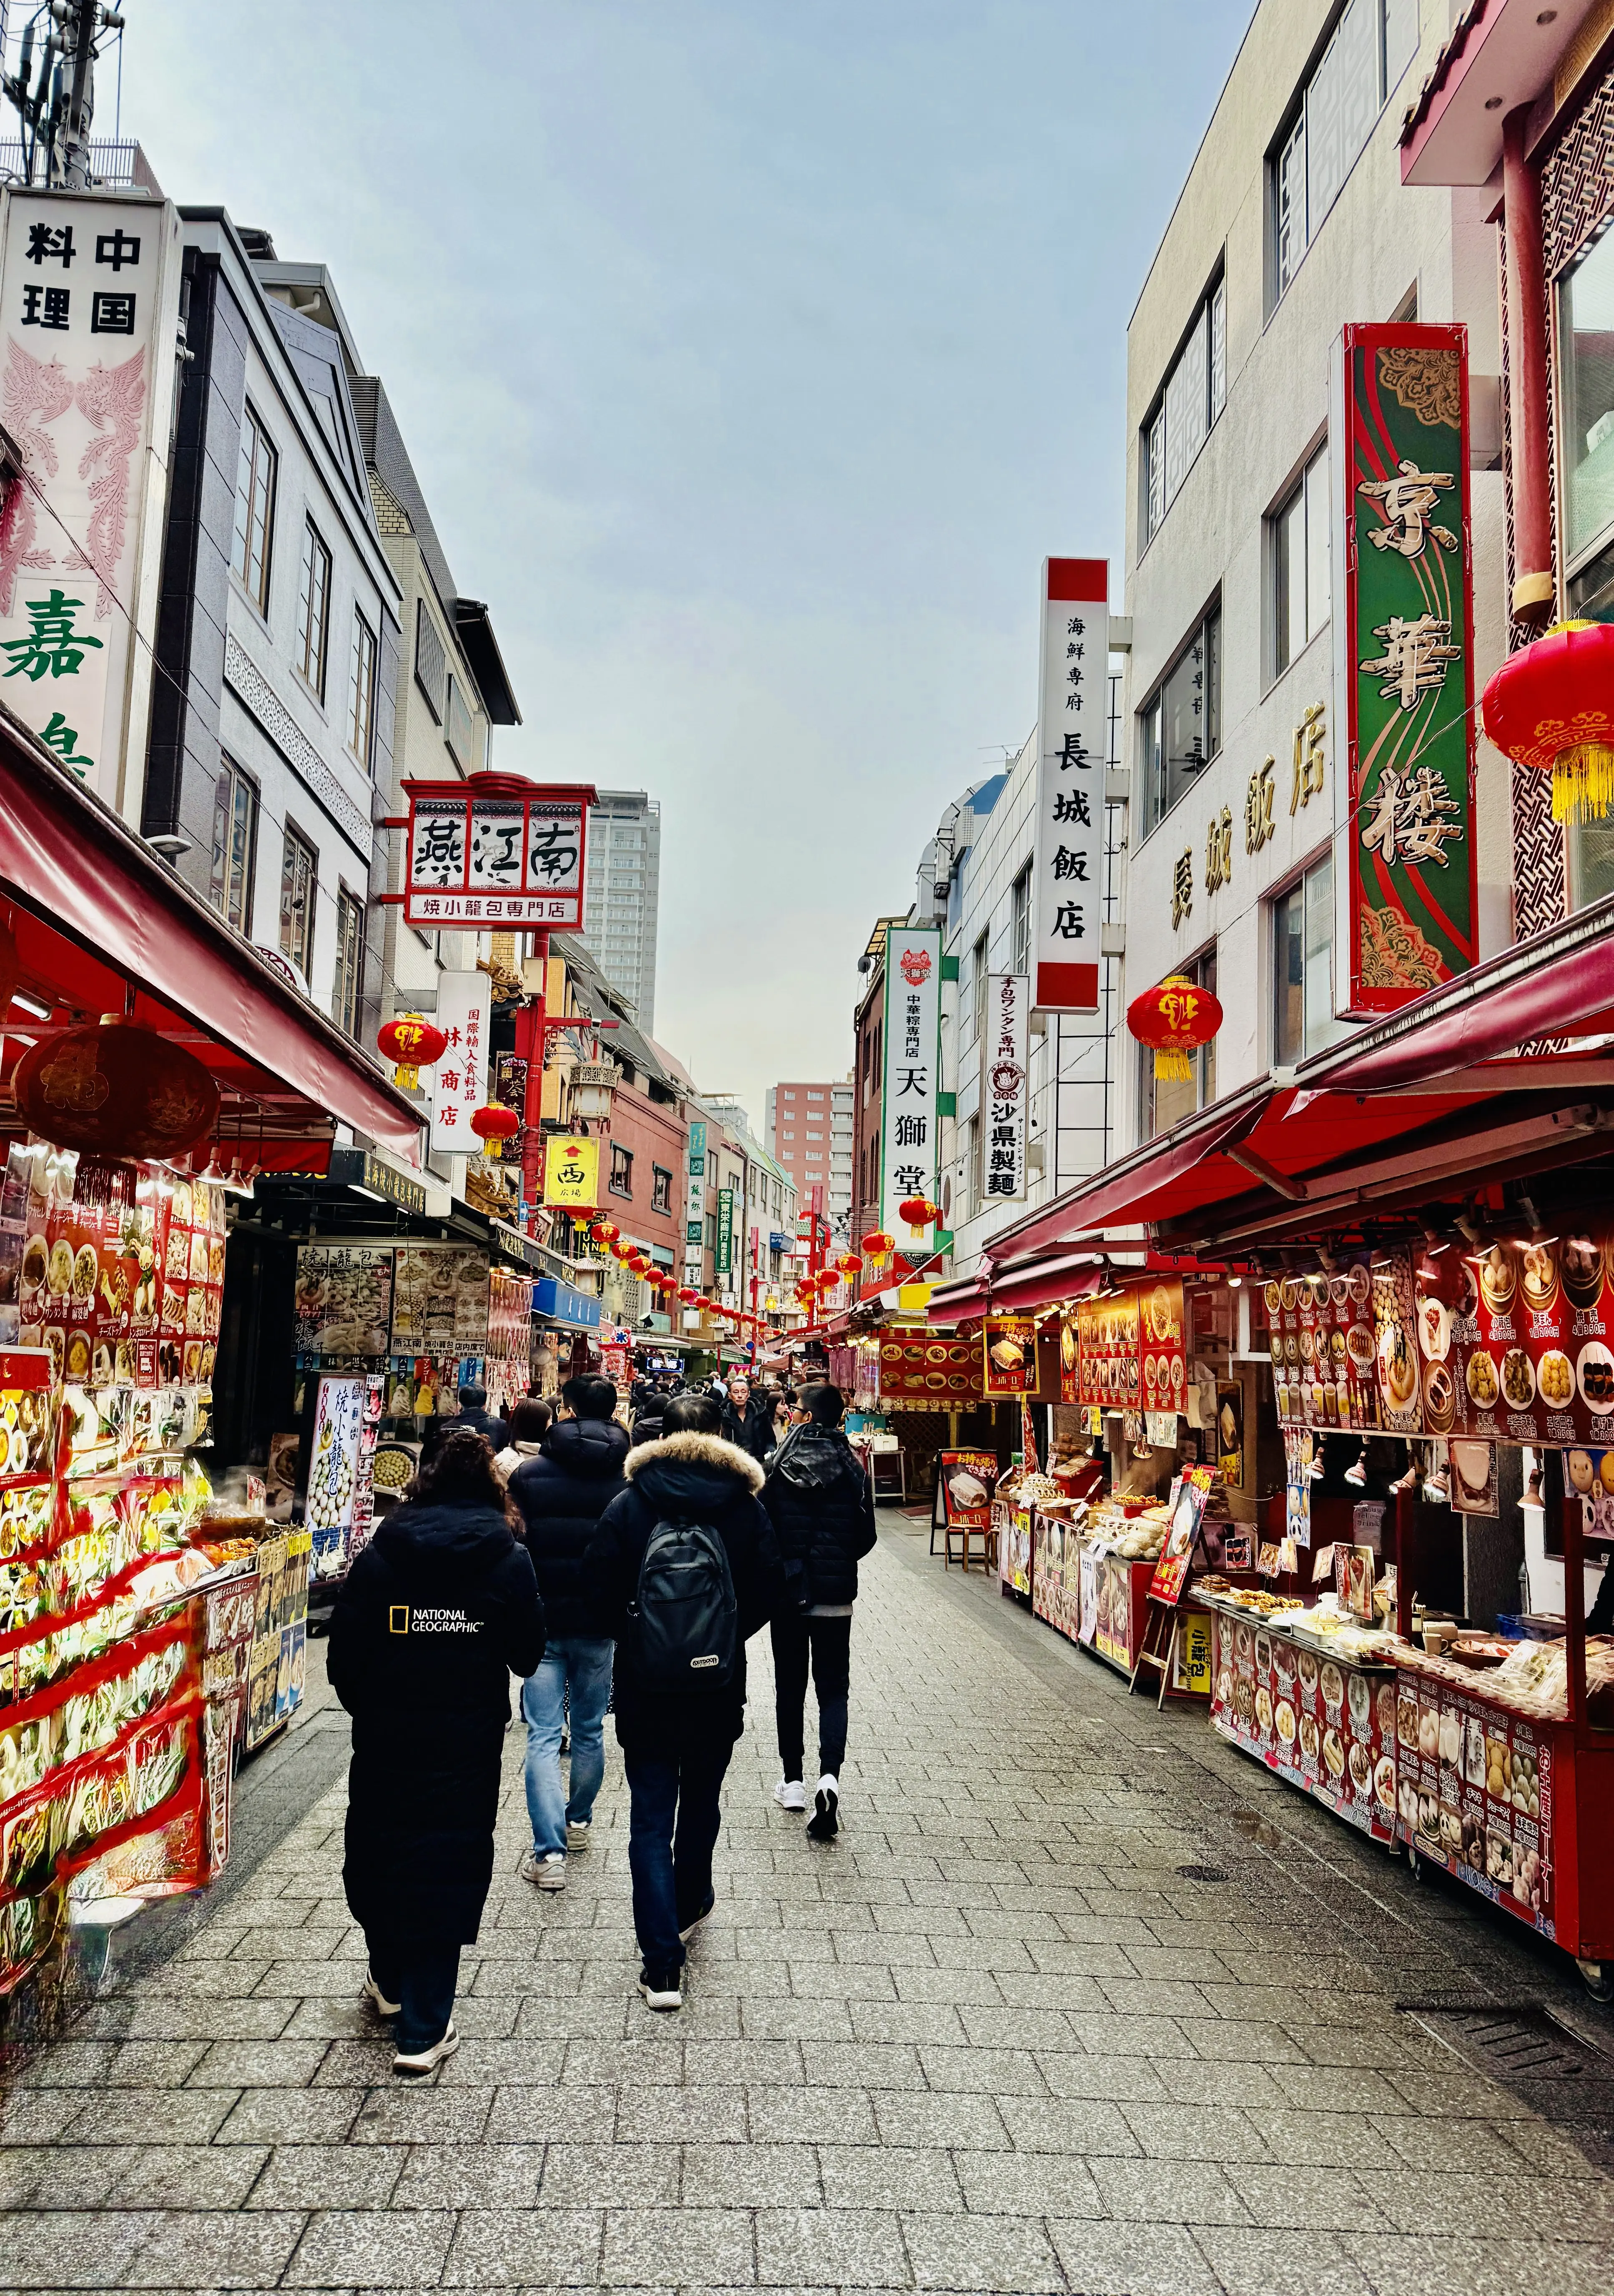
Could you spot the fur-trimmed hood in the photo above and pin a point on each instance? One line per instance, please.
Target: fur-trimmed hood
(674, 1459)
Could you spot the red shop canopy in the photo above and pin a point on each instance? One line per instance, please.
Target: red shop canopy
(112, 908)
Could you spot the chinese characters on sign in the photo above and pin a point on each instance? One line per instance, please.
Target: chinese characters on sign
(1258, 808)
(1310, 757)
(908, 1146)
(498, 852)
(88, 293)
(1218, 851)
(459, 1082)
(723, 1256)
(1004, 1085)
(1073, 744)
(1405, 886)
(1182, 887)
(571, 1173)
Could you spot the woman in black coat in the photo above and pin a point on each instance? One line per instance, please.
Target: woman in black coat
(436, 1614)
(820, 1503)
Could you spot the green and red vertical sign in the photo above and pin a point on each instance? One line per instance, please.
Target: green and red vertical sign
(1405, 883)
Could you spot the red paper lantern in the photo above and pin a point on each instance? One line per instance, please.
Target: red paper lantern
(687, 1296)
(1175, 1018)
(115, 1090)
(603, 1230)
(414, 1043)
(877, 1247)
(849, 1266)
(919, 1211)
(1552, 705)
(494, 1125)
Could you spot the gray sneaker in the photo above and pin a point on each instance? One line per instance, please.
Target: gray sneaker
(545, 1873)
(577, 1831)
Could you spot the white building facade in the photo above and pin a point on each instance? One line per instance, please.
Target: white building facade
(622, 896)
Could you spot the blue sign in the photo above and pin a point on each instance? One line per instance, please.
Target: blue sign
(578, 1311)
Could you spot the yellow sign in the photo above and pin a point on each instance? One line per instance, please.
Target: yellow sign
(571, 1173)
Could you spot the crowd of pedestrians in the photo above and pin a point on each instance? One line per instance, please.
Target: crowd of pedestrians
(615, 1555)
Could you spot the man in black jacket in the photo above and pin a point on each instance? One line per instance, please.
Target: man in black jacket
(561, 1495)
(822, 1509)
(747, 1417)
(676, 1743)
(473, 1414)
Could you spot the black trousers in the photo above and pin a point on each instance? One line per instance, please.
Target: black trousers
(422, 1981)
(828, 1643)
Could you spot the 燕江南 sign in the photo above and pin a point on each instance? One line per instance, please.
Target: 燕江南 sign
(89, 305)
(495, 849)
(1073, 740)
(571, 1173)
(1405, 886)
(459, 1082)
(1004, 1084)
(910, 1060)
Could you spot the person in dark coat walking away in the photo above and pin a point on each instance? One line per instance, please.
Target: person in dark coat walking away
(561, 1495)
(676, 1741)
(819, 1502)
(474, 1414)
(435, 1615)
(747, 1417)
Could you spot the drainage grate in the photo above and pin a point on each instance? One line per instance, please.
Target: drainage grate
(1518, 2040)
(1204, 1873)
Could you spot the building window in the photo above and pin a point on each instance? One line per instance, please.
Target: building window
(1324, 135)
(660, 1189)
(431, 661)
(1020, 937)
(1586, 336)
(349, 995)
(1163, 1103)
(1182, 723)
(621, 1171)
(1299, 564)
(361, 691)
(297, 885)
(458, 732)
(1191, 397)
(255, 509)
(234, 847)
(313, 610)
(1302, 940)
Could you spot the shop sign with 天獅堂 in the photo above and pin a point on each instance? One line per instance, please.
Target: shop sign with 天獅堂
(912, 1041)
(1073, 741)
(1405, 897)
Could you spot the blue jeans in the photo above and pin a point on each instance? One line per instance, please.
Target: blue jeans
(422, 1983)
(672, 1876)
(585, 1662)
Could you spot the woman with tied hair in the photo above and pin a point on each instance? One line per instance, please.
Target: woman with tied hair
(436, 1613)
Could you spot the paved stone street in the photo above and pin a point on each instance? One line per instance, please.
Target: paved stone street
(994, 2038)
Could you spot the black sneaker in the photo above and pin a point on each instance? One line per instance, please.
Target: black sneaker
(690, 1927)
(662, 1988)
(824, 1824)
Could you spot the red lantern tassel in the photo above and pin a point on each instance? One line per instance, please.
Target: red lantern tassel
(1583, 782)
(1173, 1068)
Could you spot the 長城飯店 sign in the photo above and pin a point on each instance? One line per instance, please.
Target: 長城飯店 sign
(1072, 741)
(495, 850)
(1405, 882)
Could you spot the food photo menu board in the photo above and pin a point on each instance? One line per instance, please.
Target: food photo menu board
(1476, 1794)
(1344, 1350)
(1514, 1339)
(1131, 1350)
(915, 1369)
(1328, 1727)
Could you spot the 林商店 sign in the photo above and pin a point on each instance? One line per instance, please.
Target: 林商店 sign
(908, 1126)
(1005, 1086)
(1072, 739)
(459, 1081)
(495, 850)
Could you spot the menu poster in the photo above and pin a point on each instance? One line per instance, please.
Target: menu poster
(1476, 1793)
(1327, 1727)
(1070, 1364)
(914, 1368)
(1473, 1478)
(439, 1301)
(1164, 1364)
(1589, 1476)
(1107, 1343)
(1187, 1512)
(342, 1301)
(1325, 1345)
(1298, 1461)
(965, 1481)
(1230, 1432)
(338, 1422)
(1008, 1356)
(1515, 1341)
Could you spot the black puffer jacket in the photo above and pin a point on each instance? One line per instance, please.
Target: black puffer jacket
(822, 1509)
(435, 1616)
(685, 1478)
(561, 1495)
(479, 1422)
(755, 1432)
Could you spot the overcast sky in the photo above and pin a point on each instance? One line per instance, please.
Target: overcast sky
(752, 356)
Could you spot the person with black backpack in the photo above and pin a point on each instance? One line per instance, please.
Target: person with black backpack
(822, 1508)
(684, 1568)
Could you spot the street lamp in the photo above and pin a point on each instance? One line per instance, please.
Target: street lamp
(593, 1085)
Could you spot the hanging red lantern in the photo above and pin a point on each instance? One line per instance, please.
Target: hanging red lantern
(603, 1230)
(919, 1211)
(877, 1247)
(687, 1296)
(849, 1265)
(115, 1090)
(493, 1125)
(1174, 1018)
(414, 1043)
(1551, 705)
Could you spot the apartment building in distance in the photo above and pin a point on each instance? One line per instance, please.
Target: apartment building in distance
(809, 1136)
(622, 894)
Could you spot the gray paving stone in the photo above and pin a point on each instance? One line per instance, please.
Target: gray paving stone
(1069, 2125)
(217, 2249)
(127, 2117)
(1130, 2260)
(286, 2116)
(1168, 2191)
(322, 2176)
(583, 2176)
(70, 2249)
(932, 2120)
(59, 2176)
(257, 2065)
(187, 2176)
(1051, 2184)
(827, 2115)
(846, 2248)
(889, 2176)
(374, 2248)
(758, 2174)
(1281, 2263)
(540, 2247)
(999, 2253)
(713, 2246)
(1440, 2266)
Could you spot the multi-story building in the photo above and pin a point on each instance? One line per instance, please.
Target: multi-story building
(809, 1135)
(622, 894)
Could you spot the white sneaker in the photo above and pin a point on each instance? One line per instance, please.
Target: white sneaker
(547, 1872)
(577, 1831)
(416, 2067)
(824, 1824)
(790, 1793)
(662, 1991)
(370, 1991)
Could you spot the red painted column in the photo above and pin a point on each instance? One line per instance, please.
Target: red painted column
(1528, 380)
(532, 1042)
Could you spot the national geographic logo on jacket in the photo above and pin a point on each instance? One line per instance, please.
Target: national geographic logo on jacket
(410, 1618)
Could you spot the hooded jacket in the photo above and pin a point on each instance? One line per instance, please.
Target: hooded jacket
(684, 1478)
(561, 1495)
(823, 1512)
(436, 1614)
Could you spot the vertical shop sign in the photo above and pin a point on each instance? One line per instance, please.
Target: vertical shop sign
(89, 294)
(724, 1259)
(697, 1148)
(1405, 882)
(1073, 728)
(912, 1061)
(459, 1082)
(1005, 1084)
(694, 1209)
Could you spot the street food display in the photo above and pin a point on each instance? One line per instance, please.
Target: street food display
(1345, 1346)
(509, 1362)
(1130, 1350)
(1008, 1357)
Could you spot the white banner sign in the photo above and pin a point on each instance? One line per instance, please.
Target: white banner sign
(1073, 731)
(911, 1058)
(459, 1082)
(89, 308)
(1005, 1086)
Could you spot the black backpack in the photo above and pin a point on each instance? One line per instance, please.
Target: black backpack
(683, 1617)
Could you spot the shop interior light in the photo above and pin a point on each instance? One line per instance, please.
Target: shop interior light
(27, 1004)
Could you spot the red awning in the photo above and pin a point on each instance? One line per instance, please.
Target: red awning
(67, 859)
(1017, 1291)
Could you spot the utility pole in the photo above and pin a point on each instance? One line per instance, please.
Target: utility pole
(81, 16)
(57, 108)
